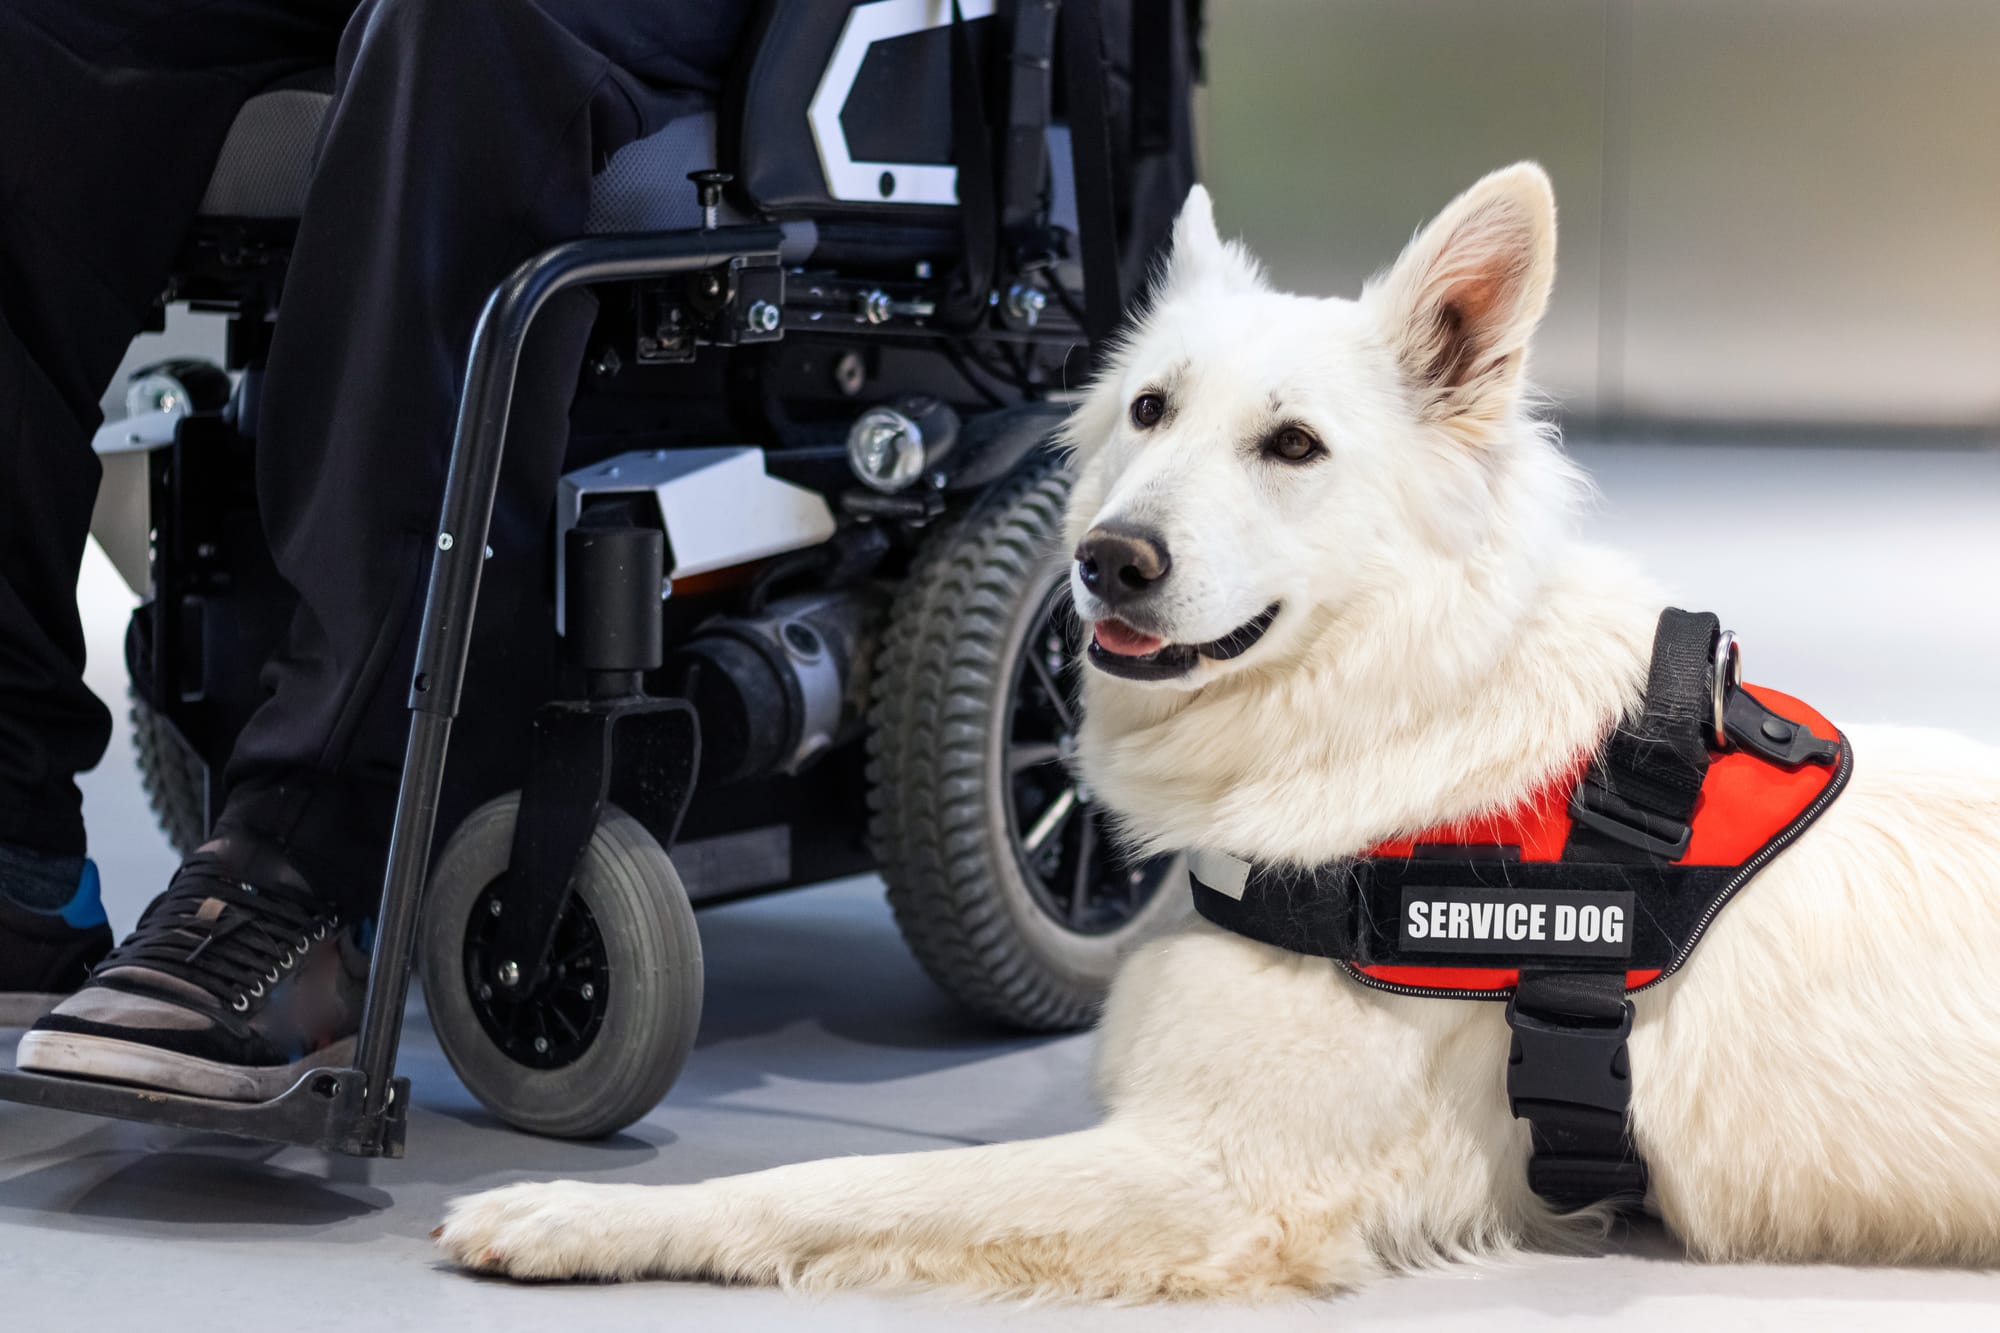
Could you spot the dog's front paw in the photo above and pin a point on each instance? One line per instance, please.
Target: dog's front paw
(563, 1229)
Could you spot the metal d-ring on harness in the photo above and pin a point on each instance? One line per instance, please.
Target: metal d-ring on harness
(1725, 673)
(1457, 915)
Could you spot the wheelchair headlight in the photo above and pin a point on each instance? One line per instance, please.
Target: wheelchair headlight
(885, 448)
(891, 446)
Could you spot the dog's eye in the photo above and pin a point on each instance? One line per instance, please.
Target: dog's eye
(1293, 445)
(1147, 409)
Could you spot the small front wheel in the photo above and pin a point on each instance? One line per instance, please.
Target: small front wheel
(597, 1044)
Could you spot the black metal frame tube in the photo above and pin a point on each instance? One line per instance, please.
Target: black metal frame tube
(471, 482)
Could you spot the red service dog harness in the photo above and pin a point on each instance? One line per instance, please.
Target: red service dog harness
(1602, 885)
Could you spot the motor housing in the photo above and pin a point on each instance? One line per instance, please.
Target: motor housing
(777, 688)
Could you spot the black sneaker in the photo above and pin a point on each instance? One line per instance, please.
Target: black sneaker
(46, 955)
(229, 989)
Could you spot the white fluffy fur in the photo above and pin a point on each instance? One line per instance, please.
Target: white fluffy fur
(1821, 1082)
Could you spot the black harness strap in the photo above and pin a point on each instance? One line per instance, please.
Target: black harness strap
(1568, 1074)
(1642, 790)
(1311, 912)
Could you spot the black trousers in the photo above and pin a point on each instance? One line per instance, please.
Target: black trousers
(462, 139)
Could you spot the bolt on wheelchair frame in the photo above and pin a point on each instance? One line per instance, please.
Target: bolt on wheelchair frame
(363, 1110)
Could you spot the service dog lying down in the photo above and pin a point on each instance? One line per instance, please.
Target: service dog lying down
(1365, 483)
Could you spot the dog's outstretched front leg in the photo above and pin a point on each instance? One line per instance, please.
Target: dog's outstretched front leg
(1108, 1212)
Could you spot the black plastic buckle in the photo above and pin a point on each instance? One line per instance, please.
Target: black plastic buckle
(1603, 811)
(1580, 1182)
(1568, 1076)
(1574, 1064)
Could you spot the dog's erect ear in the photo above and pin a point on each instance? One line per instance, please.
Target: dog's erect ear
(1199, 258)
(1461, 304)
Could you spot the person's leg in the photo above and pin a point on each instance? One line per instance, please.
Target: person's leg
(111, 114)
(462, 140)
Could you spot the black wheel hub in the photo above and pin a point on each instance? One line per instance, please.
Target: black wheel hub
(1078, 876)
(551, 1024)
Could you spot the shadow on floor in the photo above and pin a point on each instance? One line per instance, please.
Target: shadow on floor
(766, 964)
(199, 1180)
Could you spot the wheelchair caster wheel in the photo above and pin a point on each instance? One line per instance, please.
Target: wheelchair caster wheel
(1004, 879)
(598, 1042)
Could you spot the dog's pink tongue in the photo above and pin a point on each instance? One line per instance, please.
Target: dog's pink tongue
(1115, 636)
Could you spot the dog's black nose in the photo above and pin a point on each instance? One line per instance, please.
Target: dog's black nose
(1122, 564)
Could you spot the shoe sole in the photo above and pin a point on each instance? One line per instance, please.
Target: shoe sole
(109, 1060)
(19, 1010)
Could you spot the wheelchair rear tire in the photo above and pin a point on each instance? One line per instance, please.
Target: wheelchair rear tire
(598, 1045)
(1004, 881)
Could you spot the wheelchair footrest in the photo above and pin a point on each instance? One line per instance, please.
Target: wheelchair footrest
(324, 1109)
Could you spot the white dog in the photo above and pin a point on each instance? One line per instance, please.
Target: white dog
(1821, 1082)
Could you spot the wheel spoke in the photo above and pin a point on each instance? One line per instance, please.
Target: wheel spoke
(563, 1018)
(579, 951)
(1053, 687)
(1032, 754)
(1052, 819)
(1086, 866)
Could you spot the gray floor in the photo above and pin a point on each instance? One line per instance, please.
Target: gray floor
(1860, 579)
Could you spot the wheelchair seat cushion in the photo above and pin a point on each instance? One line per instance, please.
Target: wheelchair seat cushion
(266, 165)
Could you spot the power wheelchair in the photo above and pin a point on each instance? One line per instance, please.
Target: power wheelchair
(803, 571)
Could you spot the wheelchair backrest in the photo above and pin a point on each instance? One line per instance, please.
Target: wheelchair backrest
(843, 110)
(846, 107)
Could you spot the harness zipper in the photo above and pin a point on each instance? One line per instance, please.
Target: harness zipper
(1842, 770)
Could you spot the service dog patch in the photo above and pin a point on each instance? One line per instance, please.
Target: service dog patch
(1581, 924)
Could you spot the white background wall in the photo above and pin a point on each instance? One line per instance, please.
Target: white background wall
(1774, 212)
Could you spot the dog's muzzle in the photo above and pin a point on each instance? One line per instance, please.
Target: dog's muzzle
(1177, 659)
